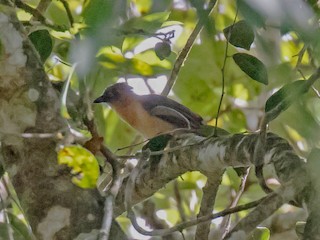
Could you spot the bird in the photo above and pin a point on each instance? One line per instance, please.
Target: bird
(150, 114)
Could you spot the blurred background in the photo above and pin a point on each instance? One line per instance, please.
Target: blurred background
(88, 45)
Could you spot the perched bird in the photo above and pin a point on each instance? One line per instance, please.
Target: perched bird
(149, 114)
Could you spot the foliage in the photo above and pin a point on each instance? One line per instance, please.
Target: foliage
(83, 164)
(43, 43)
(133, 41)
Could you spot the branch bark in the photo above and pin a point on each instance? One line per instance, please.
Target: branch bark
(207, 204)
(54, 207)
(189, 152)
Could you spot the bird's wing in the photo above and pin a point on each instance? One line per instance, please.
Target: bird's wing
(171, 111)
(170, 115)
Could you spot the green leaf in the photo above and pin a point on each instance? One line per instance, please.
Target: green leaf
(260, 233)
(142, 64)
(18, 230)
(148, 23)
(207, 130)
(197, 4)
(130, 42)
(83, 163)
(97, 12)
(251, 14)
(240, 34)
(252, 66)
(19, 227)
(158, 143)
(197, 88)
(42, 41)
(284, 97)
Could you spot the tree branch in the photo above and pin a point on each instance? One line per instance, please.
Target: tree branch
(38, 16)
(207, 203)
(30, 105)
(210, 157)
(187, 47)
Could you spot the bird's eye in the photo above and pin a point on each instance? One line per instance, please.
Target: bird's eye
(111, 95)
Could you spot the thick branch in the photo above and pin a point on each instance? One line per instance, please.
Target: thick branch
(189, 152)
(55, 208)
(207, 203)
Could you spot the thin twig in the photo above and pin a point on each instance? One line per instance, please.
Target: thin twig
(186, 49)
(151, 91)
(132, 178)
(223, 74)
(110, 157)
(179, 200)
(148, 213)
(175, 131)
(107, 218)
(181, 226)
(132, 145)
(300, 56)
(226, 223)
(109, 206)
(43, 5)
(35, 13)
(69, 14)
(316, 91)
(172, 149)
(117, 179)
(159, 35)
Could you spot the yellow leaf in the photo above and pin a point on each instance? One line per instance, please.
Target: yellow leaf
(83, 164)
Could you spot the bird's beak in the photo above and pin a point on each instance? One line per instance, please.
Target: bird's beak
(99, 100)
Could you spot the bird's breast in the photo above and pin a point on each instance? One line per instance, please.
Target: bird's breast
(136, 116)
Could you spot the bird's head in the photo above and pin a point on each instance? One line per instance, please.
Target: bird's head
(115, 93)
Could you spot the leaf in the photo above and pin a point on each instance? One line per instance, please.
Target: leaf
(284, 97)
(19, 227)
(158, 143)
(130, 42)
(42, 41)
(83, 163)
(240, 34)
(63, 107)
(148, 23)
(142, 64)
(260, 233)
(251, 14)
(252, 66)
(97, 12)
(143, 6)
(207, 130)
(18, 230)
(193, 87)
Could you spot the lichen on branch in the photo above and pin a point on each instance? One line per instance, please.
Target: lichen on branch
(211, 156)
